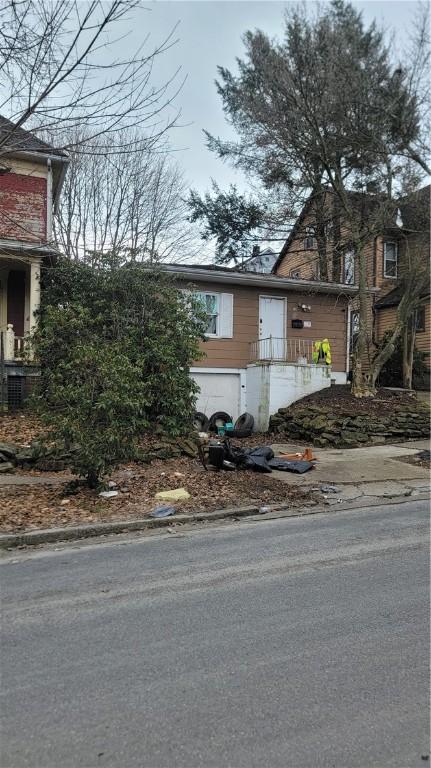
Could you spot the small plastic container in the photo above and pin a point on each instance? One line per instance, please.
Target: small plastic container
(228, 426)
(221, 431)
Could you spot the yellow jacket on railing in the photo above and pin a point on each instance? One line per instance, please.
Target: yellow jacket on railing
(322, 352)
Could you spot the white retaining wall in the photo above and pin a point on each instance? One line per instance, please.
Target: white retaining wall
(273, 386)
(260, 389)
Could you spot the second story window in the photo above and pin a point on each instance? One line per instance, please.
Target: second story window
(329, 229)
(354, 331)
(420, 320)
(390, 259)
(349, 267)
(309, 239)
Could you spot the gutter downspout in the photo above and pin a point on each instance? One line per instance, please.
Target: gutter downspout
(49, 202)
(64, 167)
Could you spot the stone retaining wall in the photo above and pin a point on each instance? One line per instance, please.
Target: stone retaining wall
(323, 428)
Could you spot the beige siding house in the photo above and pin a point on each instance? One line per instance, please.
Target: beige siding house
(261, 332)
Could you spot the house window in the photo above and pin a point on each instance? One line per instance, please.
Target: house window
(211, 306)
(295, 273)
(354, 331)
(309, 239)
(349, 267)
(420, 320)
(329, 229)
(390, 259)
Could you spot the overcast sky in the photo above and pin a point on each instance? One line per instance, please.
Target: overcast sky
(209, 34)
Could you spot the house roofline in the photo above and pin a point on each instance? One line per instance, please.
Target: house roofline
(292, 233)
(258, 280)
(40, 155)
(389, 229)
(11, 247)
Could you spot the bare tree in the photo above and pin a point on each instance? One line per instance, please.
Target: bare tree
(59, 68)
(130, 206)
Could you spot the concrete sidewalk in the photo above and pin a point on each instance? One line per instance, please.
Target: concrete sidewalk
(371, 472)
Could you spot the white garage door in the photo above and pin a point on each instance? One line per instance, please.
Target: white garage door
(218, 392)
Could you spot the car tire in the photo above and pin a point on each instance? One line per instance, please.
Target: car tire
(245, 421)
(200, 422)
(239, 433)
(218, 419)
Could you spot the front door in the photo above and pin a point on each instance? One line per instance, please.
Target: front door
(272, 325)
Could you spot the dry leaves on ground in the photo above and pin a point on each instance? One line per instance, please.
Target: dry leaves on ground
(19, 427)
(28, 507)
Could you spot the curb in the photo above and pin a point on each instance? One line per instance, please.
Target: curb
(52, 535)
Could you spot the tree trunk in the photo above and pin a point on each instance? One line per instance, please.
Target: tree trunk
(362, 385)
(408, 350)
(383, 356)
(336, 235)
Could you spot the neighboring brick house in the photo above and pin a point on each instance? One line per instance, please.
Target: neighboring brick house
(31, 177)
(386, 257)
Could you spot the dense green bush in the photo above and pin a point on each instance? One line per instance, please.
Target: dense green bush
(115, 348)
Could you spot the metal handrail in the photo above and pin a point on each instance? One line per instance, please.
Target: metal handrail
(280, 349)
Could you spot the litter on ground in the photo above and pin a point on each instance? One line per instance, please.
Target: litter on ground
(163, 511)
(177, 494)
(222, 455)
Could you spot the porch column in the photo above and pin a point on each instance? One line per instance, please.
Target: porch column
(34, 299)
(9, 343)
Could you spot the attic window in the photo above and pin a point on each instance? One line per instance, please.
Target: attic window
(390, 259)
(309, 239)
(295, 273)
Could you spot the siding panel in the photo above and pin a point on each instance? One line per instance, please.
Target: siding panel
(328, 318)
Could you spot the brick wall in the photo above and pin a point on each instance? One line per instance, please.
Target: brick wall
(23, 207)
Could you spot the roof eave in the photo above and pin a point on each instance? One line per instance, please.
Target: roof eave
(14, 246)
(260, 280)
(39, 155)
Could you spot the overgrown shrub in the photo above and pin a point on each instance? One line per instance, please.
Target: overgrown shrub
(115, 348)
(391, 374)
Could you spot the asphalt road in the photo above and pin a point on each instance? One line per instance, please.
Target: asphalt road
(300, 642)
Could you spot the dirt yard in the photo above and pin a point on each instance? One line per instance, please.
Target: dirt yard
(340, 399)
(25, 507)
(19, 427)
(42, 506)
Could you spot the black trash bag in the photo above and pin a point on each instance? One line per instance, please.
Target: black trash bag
(251, 458)
(297, 466)
(264, 450)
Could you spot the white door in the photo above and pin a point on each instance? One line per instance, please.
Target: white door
(272, 328)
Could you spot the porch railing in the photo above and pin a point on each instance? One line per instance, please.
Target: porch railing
(12, 347)
(283, 350)
(18, 347)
